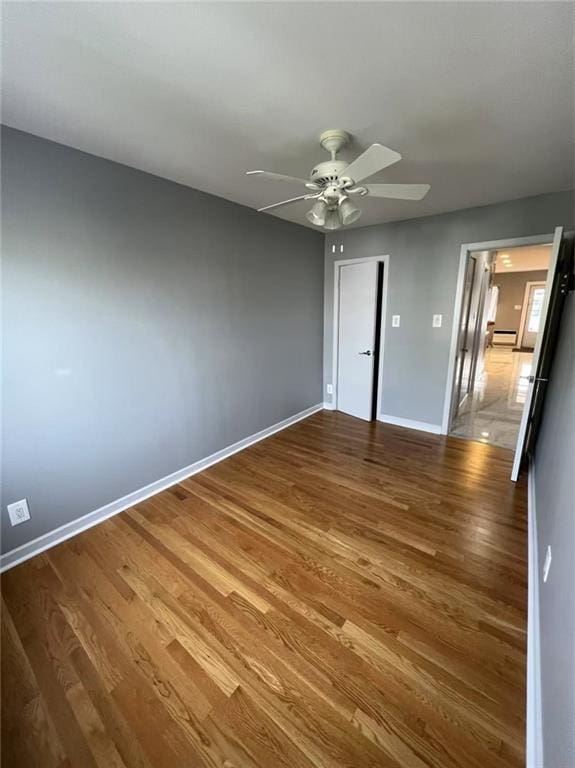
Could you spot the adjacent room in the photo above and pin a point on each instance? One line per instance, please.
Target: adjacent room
(288, 392)
(504, 294)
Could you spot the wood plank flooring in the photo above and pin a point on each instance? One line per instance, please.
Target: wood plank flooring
(341, 594)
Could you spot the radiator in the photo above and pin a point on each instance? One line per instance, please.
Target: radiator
(505, 338)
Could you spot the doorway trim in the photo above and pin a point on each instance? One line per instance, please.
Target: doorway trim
(382, 316)
(466, 248)
(524, 308)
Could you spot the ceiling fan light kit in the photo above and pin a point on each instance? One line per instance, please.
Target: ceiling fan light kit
(332, 182)
(348, 212)
(317, 213)
(332, 220)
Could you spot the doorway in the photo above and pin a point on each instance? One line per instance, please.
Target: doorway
(495, 339)
(360, 290)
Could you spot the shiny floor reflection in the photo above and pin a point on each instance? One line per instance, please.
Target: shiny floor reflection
(493, 413)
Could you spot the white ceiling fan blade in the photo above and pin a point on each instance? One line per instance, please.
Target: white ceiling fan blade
(374, 159)
(288, 202)
(281, 177)
(398, 191)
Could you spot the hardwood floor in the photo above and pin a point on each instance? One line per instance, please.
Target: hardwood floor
(341, 594)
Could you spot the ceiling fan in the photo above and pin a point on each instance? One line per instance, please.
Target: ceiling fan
(333, 182)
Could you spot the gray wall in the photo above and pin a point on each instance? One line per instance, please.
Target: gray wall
(146, 325)
(555, 509)
(511, 294)
(424, 260)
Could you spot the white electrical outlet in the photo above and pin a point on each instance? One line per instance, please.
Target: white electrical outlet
(437, 320)
(329, 389)
(18, 512)
(547, 564)
(395, 321)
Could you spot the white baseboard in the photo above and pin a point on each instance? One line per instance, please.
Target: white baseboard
(422, 426)
(50, 539)
(329, 407)
(534, 736)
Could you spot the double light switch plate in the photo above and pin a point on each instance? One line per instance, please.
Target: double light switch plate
(18, 512)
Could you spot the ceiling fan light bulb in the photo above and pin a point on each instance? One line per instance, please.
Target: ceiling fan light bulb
(316, 215)
(348, 212)
(332, 220)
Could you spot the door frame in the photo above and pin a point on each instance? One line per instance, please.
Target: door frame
(481, 326)
(465, 315)
(337, 265)
(523, 320)
(466, 249)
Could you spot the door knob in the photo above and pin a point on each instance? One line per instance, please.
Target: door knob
(367, 352)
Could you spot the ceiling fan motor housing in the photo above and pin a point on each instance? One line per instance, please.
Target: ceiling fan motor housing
(328, 172)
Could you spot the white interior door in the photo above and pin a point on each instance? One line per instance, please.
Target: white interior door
(356, 338)
(542, 317)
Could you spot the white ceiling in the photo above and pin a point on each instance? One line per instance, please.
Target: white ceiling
(523, 259)
(478, 97)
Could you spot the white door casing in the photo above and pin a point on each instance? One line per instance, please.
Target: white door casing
(356, 338)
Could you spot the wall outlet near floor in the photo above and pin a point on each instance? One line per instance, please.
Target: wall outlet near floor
(547, 564)
(18, 512)
(437, 320)
(395, 321)
(329, 389)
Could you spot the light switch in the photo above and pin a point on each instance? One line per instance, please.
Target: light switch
(437, 320)
(395, 321)
(517, 306)
(18, 512)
